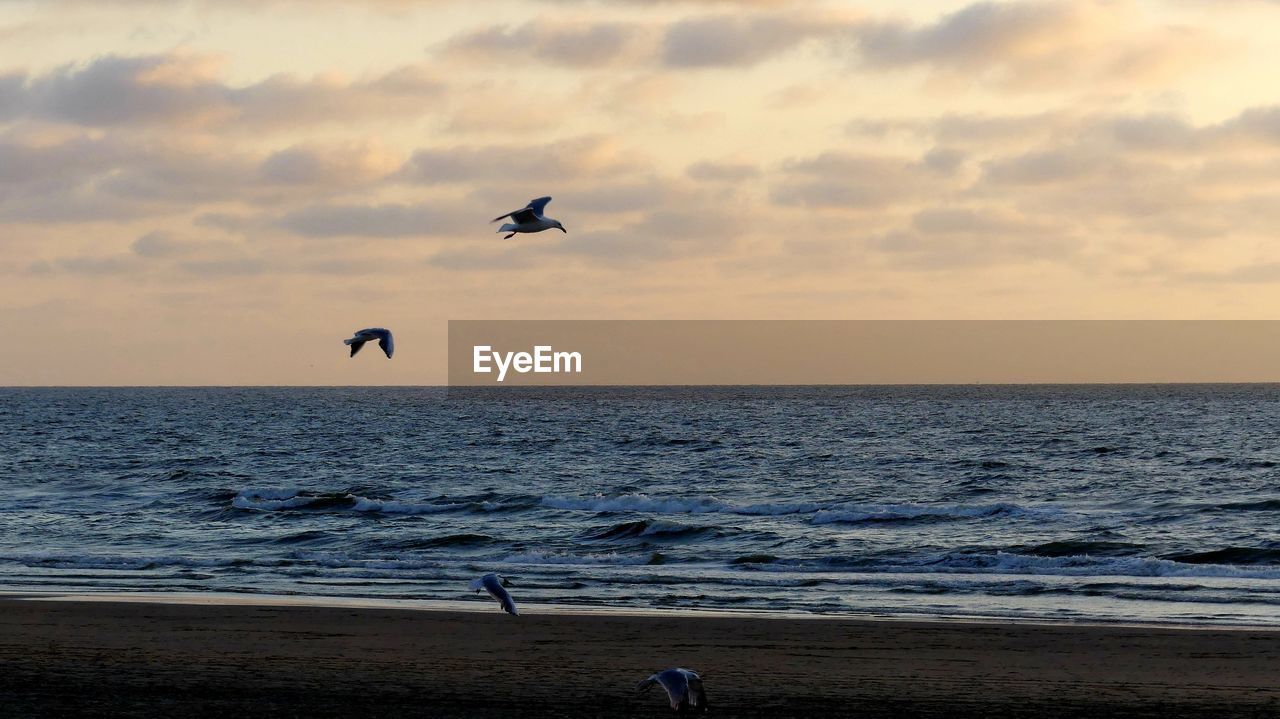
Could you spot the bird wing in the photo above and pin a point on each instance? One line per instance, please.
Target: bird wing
(493, 585)
(508, 604)
(386, 342)
(676, 684)
(539, 204)
(526, 213)
(524, 216)
(698, 695)
(355, 346)
(477, 584)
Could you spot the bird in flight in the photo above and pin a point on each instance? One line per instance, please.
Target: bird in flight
(496, 586)
(529, 219)
(684, 689)
(368, 335)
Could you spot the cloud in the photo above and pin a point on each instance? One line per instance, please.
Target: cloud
(664, 233)
(858, 181)
(1048, 166)
(335, 165)
(158, 243)
(87, 265)
(183, 89)
(95, 175)
(737, 40)
(578, 45)
(11, 95)
(1039, 45)
(27, 162)
(955, 237)
(593, 156)
(510, 111)
(390, 220)
(722, 171)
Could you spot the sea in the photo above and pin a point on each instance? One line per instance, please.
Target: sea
(1149, 504)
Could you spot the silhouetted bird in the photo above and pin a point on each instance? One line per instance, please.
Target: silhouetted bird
(368, 335)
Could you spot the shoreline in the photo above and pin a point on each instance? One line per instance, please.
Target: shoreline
(72, 656)
(480, 606)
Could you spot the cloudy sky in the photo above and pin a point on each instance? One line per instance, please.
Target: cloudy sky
(219, 192)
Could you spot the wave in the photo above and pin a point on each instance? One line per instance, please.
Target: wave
(1230, 555)
(651, 529)
(823, 513)
(1080, 547)
(1262, 505)
(567, 558)
(1016, 563)
(694, 505)
(754, 559)
(275, 499)
(119, 562)
(923, 512)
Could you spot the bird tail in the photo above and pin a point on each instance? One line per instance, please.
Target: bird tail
(347, 342)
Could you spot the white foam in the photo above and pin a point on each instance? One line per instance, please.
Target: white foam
(363, 504)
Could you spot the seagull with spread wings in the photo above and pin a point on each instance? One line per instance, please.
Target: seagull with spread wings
(684, 689)
(383, 337)
(496, 586)
(529, 219)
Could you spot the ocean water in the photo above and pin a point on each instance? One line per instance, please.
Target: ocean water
(1100, 503)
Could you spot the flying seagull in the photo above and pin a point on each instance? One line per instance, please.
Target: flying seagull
(529, 219)
(368, 335)
(684, 689)
(497, 588)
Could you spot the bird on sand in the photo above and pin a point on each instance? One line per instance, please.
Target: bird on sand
(529, 219)
(370, 334)
(496, 586)
(684, 689)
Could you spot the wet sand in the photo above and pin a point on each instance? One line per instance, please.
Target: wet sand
(78, 658)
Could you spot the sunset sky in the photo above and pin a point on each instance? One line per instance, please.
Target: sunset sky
(220, 192)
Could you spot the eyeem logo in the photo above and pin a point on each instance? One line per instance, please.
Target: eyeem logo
(543, 360)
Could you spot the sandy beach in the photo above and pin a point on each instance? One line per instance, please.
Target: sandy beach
(61, 658)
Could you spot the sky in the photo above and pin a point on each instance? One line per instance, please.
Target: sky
(196, 193)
